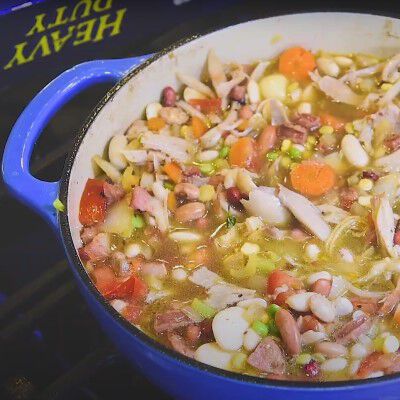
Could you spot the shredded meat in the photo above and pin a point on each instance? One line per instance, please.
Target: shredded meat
(89, 232)
(112, 192)
(391, 300)
(366, 305)
(307, 121)
(347, 196)
(268, 357)
(393, 142)
(353, 330)
(97, 249)
(296, 133)
(171, 320)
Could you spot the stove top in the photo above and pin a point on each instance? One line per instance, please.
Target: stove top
(50, 345)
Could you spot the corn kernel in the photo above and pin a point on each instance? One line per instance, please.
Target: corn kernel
(378, 343)
(307, 154)
(386, 86)
(364, 201)
(326, 130)
(265, 318)
(207, 193)
(304, 108)
(349, 127)
(352, 180)
(380, 152)
(292, 87)
(312, 140)
(286, 144)
(365, 184)
(286, 162)
(185, 131)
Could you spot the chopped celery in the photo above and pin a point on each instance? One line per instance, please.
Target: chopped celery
(206, 169)
(260, 328)
(58, 205)
(230, 221)
(273, 329)
(272, 155)
(137, 221)
(169, 185)
(223, 153)
(295, 154)
(272, 309)
(262, 264)
(203, 309)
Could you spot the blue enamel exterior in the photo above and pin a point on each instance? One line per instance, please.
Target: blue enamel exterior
(37, 194)
(169, 371)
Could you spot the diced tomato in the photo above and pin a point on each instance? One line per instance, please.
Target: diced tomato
(133, 311)
(92, 208)
(112, 287)
(280, 278)
(207, 106)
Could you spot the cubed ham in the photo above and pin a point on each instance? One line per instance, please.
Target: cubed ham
(180, 345)
(296, 133)
(353, 329)
(141, 199)
(307, 121)
(347, 196)
(171, 320)
(89, 232)
(393, 142)
(268, 357)
(97, 249)
(113, 192)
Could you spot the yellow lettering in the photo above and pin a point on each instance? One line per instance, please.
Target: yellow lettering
(43, 46)
(59, 18)
(38, 26)
(87, 4)
(98, 7)
(84, 32)
(19, 57)
(59, 41)
(104, 24)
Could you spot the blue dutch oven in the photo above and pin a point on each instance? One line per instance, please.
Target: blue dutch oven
(139, 81)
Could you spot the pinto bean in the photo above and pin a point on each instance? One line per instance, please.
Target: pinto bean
(347, 197)
(238, 93)
(330, 349)
(267, 139)
(245, 112)
(190, 212)
(322, 286)
(309, 323)
(168, 97)
(233, 196)
(289, 331)
(188, 190)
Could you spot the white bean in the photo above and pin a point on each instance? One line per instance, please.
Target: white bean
(207, 155)
(250, 248)
(190, 94)
(212, 354)
(300, 301)
(330, 349)
(253, 302)
(184, 236)
(322, 308)
(251, 340)
(152, 110)
(229, 326)
(132, 250)
(358, 351)
(304, 108)
(317, 276)
(253, 91)
(328, 67)
(179, 274)
(343, 306)
(354, 366)
(117, 144)
(334, 364)
(118, 305)
(343, 62)
(310, 337)
(390, 344)
(347, 255)
(354, 152)
(312, 252)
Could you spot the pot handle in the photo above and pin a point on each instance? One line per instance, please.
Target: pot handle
(40, 195)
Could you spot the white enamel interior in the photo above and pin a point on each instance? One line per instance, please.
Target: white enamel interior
(247, 42)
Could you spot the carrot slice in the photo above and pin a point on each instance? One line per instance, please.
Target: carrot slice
(243, 153)
(155, 123)
(207, 106)
(312, 178)
(171, 201)
(336, 123)
(199, 127)
(173, 171)
(296, 63)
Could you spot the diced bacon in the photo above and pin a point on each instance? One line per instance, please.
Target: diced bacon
(307, 121)
(112, 192)
(391, 300)
(353, 329)
(171, 320)
(179, 344)
(268, 357)
(154, 268)
(367, 305)
(393, 143)
(88, 233)
(97, 249)
(347, 197)
(296, 133)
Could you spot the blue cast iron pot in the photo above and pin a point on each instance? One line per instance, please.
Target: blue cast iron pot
(139, 81)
